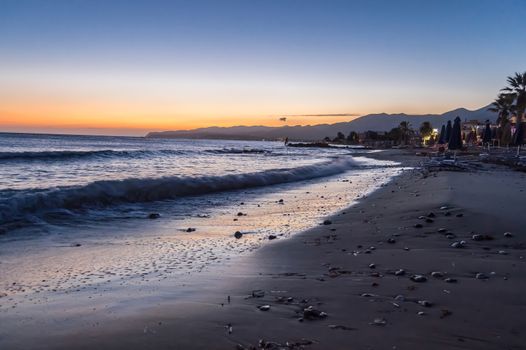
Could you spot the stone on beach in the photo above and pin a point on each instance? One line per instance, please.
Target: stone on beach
(238, 234)
(481, 276)
(369, 295)
(379, 322)
(264, 307)
(460, 244)
(310, 313)
(418, 278)
(425, 303)
(399, 272)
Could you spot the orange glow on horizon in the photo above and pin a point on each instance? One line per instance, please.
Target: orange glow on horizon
(63, 99)
(110, 114)
(147, 121)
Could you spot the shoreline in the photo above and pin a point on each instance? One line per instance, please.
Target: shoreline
(329, 267)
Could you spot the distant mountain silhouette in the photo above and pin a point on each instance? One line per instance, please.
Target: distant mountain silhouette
(374, 122)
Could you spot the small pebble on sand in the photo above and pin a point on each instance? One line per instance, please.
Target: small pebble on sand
(481, 276)
(418, 278)
(399, 272)
(379, 322)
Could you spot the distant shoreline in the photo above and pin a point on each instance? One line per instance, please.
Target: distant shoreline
(381, 122)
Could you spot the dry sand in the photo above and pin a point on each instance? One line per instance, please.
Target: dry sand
(329, 268)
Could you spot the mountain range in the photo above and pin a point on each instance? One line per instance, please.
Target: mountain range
(376, 122)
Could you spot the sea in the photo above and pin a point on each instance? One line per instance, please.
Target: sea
(78, 212)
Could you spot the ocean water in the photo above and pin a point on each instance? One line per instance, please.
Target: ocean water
(74, 210)
(50, 179)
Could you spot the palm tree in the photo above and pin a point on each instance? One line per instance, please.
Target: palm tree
(405, 131)
(516, 91)
(503, 105)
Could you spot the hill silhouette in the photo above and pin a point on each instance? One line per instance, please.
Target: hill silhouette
(375, 122)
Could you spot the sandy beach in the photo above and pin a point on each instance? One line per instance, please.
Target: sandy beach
(424, 262)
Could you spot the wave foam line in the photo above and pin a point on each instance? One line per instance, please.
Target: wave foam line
(67, 155)
(134, 190)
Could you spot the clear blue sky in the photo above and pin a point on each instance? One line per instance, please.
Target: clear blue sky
(139, 65)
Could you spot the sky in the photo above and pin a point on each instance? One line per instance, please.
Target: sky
(129, 67)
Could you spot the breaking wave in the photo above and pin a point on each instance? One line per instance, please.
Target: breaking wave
(67, 155)
(238, 151)
(16, 204)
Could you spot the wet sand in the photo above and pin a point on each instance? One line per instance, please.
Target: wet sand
(357, 270)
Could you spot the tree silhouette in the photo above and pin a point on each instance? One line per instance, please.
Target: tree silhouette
(517, 92)
(503, 105)
(353, 137)
(426, 129)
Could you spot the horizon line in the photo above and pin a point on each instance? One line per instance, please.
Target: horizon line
(146, 131)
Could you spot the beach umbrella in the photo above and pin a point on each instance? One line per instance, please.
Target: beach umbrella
(448, 131)
(455, 139)
(442, 138)
(486, 136)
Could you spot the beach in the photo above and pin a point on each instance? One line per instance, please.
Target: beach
(423, 262)
(262, 175)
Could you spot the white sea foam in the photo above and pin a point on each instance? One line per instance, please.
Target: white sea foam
(68, 155)
(16, 204)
